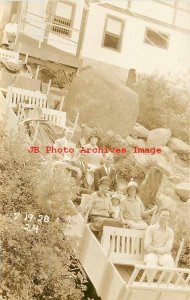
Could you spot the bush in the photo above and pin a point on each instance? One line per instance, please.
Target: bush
(125, 163)
(181, 225)
(60, 77)
(128, 168)
(164, 103)
(36, 263)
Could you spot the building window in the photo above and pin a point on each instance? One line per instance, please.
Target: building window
(156, 38)
(63, 18)
(113, 33)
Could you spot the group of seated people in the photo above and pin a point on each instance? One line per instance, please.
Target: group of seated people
(128, 211)
(87, 168)
(106, 206)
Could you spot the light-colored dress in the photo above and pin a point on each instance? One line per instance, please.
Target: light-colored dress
(9, 33)
(132, 210)
(93, 159)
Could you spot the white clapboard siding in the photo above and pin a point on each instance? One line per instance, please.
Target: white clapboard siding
(124, 246)
(8, 54)
(17, 95)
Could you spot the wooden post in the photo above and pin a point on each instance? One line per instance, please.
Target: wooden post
(111, 246)
(37, 72)
(179, 251)
(62, 101)
(86, 215)
(76, 121)
(49, 85)
(19, 48)
(35, 132)
(21, 4)
(26, 58)
(133, 276)
(82, 29)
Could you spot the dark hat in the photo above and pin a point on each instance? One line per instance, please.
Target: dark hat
(94, 133)
(105, 179)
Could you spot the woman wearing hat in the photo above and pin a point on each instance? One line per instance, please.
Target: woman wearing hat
(132, 208)
(93, 158)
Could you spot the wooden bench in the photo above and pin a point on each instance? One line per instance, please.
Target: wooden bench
(123, 246)
(55, 116)
(17, 95)
(8, 54)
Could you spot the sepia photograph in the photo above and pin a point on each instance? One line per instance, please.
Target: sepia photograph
(95, 150)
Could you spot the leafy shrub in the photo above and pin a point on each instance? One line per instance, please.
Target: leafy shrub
(128, 168)
(164, 103)
(181, 225)
(60, 78)
(125, 163)
(35, 265)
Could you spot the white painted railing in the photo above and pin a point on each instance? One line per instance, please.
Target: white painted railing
(17, 95)
(52, 115)
(55, 116)
(160, 278)
(8, 54)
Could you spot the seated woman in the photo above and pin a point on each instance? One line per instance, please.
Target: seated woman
(9, 33)
(94, 159)
(132, 208)
(100, 207)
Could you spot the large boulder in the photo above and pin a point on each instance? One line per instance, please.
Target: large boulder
(178, 146)
(135, 142)
(183, 190)
(163, 165)
(139, 131)
(167, 201)
(102, 101)
(158, 137)
(168, 154)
